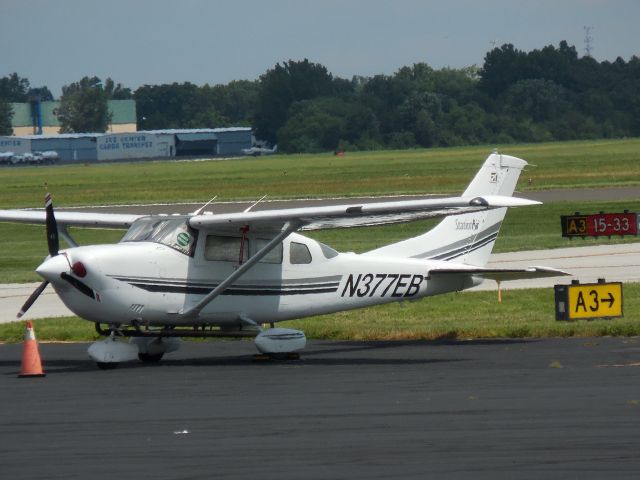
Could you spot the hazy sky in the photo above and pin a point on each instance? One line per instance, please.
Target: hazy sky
(136, 42)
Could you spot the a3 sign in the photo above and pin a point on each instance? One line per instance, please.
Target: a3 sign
(588, 300)
(599, 224)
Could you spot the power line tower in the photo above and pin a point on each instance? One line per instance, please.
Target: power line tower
(588, 41)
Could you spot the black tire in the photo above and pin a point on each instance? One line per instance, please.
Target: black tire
(148, 358)
(107, 365)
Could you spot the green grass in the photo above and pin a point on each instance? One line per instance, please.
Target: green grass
(558, 165)
(522, 313)
(527, 228)
(23, 247)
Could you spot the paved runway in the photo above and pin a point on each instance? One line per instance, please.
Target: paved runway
(562, 408)
(619, 263)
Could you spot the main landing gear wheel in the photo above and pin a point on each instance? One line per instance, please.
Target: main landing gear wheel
(265, 357)
(148, 358)
(107, 365)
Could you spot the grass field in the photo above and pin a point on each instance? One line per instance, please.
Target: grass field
(558, 165)
(23, 247)
(522, 313)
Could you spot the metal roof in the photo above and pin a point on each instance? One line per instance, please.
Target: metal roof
(59, 136)
(182, 131)
(175, 131)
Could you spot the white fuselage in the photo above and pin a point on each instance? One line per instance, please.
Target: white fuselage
(153, 284)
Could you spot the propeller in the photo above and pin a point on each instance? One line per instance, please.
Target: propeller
(53, 243)
(52, 227)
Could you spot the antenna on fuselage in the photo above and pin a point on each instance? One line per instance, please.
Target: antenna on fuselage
(199, 211)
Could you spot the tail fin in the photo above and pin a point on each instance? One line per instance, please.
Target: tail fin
(467, 238)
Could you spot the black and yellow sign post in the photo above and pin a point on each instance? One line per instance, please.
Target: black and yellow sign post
(588, 300)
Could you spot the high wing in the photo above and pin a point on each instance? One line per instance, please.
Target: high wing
(306, 218)
(357, 214)
(80, 219)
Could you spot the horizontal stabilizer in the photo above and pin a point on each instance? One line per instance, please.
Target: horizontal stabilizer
(498, 274)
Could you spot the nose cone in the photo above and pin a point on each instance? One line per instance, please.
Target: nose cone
(52, 267)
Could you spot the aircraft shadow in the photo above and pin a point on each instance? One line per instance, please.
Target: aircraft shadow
(409, 352)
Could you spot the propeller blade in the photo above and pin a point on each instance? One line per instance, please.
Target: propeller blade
(32, 298)
(52, 227)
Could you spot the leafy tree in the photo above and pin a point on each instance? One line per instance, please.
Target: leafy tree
(326, 123)
(178, 105)
(310, 128)
(116, 91)
(14, 89)
(5, 118)
(502, 67)
(83, 107)
(537, 99)
(282, 86)
(236, 102)
(43, 93)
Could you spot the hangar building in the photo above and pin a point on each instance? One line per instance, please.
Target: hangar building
(97, 147)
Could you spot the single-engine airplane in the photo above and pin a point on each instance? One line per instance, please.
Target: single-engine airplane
(207, 274)
(257, 150)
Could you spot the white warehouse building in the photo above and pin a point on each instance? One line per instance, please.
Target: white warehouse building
(97, 147)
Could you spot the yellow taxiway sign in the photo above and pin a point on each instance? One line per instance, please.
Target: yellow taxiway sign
(588, 300)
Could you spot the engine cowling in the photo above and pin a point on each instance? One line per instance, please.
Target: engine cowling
(280, 340)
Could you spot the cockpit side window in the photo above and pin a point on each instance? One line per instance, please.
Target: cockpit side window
(225, 249)
(299, 253)
(172, 232)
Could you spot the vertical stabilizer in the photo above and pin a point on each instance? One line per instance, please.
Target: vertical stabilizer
(467, 238)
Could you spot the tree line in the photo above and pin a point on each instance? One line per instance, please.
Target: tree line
(516, 96)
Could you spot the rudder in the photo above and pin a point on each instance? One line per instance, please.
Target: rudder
(466, 238)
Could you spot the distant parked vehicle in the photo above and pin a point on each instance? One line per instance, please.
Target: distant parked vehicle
(50, 156)
(46, 157)
(22, 158)
(6, 158)
(257, 151)
(36, 158)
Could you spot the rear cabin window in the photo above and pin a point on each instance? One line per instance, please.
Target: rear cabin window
(327, 251)
(274, 256)
(299, 253)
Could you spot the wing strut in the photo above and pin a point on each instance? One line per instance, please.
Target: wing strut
(64, 233)
(194, 311)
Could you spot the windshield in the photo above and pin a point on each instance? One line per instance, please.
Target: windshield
(173, 232)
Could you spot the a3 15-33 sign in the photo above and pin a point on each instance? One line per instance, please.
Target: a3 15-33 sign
(599, 224)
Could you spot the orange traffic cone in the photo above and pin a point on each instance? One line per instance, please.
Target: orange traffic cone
(31, 364)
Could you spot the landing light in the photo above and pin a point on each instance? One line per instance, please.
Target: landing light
(79, 269)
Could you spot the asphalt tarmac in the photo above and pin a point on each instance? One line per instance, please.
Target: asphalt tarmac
(561, 408)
